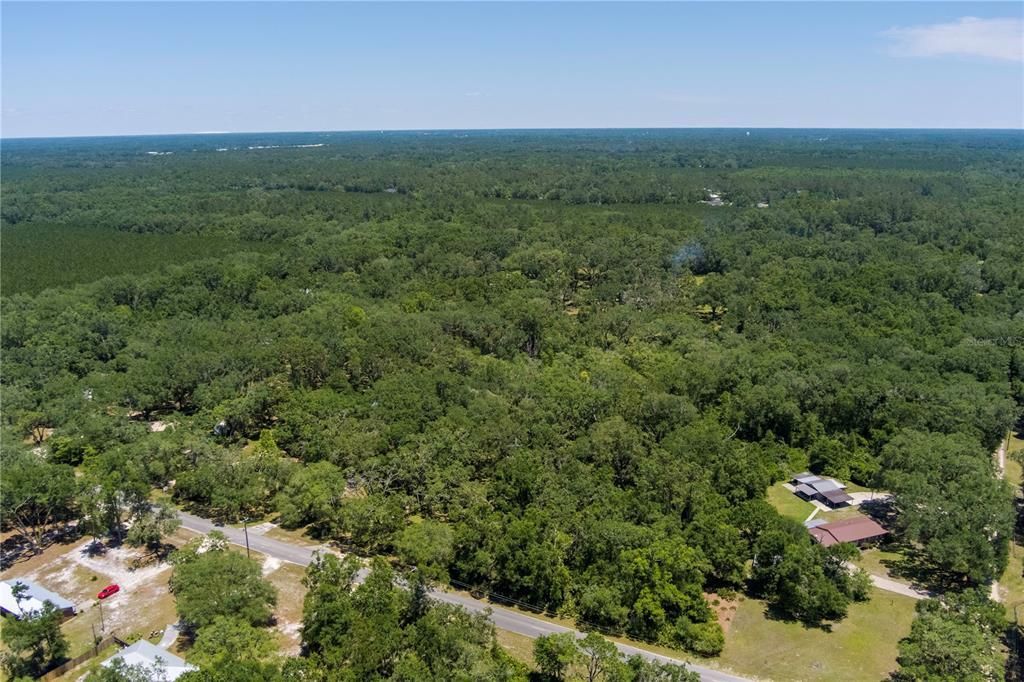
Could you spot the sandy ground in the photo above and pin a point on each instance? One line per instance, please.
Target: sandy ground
(287, 578)
(143, 606)
(270, 564)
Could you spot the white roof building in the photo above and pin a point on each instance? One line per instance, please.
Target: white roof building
(32, 599)
(150, 655)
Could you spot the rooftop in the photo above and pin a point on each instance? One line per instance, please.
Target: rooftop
(145, 653)
(836, 496)
(848, 530)
(32, 600)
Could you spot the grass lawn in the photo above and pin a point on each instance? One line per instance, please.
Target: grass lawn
(1013, 468)
(519, 647)
(878, 561)
(788, 504)
(295, 536)
(287, 579)
(1011, 583)
(840, 514)
(861, 647)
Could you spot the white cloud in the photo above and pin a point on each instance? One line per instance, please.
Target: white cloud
(969, 36)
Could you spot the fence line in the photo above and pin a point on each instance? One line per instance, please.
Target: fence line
(67, 665)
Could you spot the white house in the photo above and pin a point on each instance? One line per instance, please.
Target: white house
(150, 655)
(31, 600)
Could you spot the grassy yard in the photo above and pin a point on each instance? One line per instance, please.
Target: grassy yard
(861, 647)
(519, 647)
(878, 562)
(287, 579)
(788, 504)
(839, 514)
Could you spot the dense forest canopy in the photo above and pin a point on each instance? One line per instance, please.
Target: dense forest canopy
(534, 363)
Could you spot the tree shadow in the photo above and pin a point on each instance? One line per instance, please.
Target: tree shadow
(1014, 669)
(772, 612)
(18, 548)
(880, 510)
(915, 567)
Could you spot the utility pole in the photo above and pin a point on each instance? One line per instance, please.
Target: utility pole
(245, 529)
(103, 626)
(1016, 637)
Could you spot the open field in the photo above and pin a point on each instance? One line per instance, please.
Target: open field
(788, 504)
(861, 647)
(39, 256)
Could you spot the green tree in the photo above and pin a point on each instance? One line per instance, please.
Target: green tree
(555, 654)
(600, 658)
(955, 638)
(150, 527)
(950, 503)
(653, 671)
(119, 671)
(35, 642)
(219, 582)
(428, 545)
(228, 640)
(35, 494)
(312, 497)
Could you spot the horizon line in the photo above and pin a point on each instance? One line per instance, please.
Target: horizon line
(524, 129)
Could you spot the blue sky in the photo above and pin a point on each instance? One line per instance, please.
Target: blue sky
(137, 68)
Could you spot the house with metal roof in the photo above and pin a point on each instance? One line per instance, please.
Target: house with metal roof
(858, 530)
(151, 656)
(30, 600)
(828, 491)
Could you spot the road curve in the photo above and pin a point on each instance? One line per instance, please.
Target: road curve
(505, 619)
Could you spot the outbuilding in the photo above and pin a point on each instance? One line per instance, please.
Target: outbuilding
(828, 491)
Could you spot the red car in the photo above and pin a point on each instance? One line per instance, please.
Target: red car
(108, 590)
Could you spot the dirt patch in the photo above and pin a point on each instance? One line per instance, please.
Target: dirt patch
(725, 609)
(287, 579)
(270, 564)
(143, 605)
(128, 567)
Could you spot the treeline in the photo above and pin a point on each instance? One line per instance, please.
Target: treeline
(357, 624)
(575, 406)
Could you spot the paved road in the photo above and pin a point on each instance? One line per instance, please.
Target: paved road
(505, 619)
